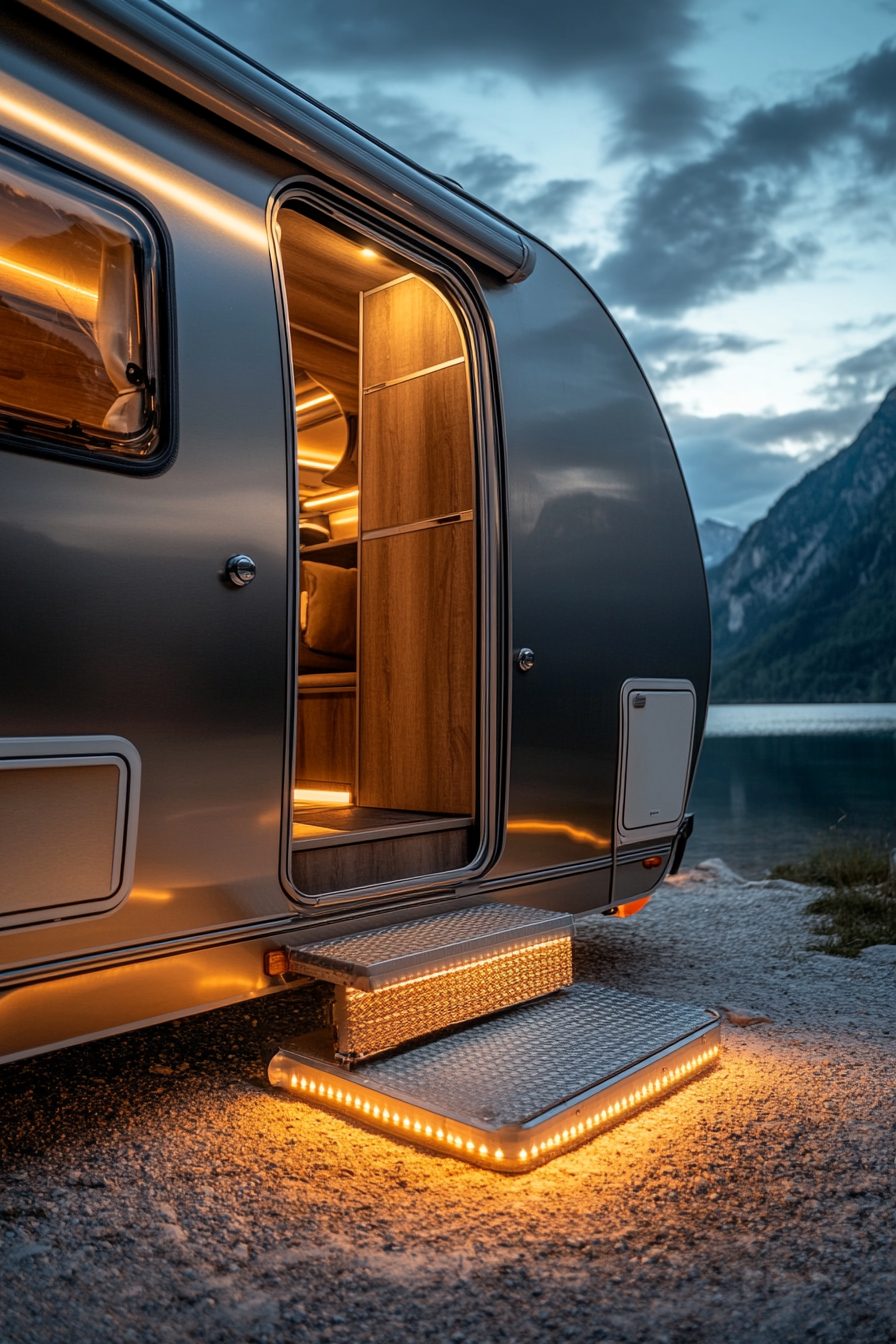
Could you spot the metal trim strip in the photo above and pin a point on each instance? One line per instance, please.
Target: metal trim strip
(464, 516)
(380, 833)
(308, 960)
(418, 373)
(187, 58)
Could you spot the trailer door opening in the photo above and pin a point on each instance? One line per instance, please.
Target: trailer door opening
(385, 784)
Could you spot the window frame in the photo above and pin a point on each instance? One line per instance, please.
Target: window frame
(158, 316)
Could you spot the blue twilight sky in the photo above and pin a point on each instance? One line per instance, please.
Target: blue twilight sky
(722, 172)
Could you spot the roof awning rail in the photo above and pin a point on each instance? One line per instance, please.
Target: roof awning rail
(178, 53)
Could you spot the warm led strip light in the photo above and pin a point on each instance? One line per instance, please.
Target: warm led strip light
(369, 1022)
(53, 280)
(315, 401)
(322, 797)
(322, 502)
(315, 465)
(517, 1151)
(245, 226)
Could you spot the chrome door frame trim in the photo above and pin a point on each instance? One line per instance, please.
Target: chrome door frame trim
(493, 689)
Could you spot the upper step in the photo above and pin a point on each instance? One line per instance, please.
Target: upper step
(369, 961)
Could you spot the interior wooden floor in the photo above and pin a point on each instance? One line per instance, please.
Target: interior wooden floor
(345, 824)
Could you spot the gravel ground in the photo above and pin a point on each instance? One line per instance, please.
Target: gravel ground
(153, 1188)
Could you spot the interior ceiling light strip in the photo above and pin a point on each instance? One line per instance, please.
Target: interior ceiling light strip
(512, 1148)
(315, 401)
(370, 1022)
(316, 504)
(313, 465)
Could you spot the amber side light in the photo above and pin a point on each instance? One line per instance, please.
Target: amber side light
(653, 862)
(276, 963)
(629, 908)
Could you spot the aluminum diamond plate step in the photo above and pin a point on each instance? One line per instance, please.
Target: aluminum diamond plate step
(380, 957)
(515, 1090)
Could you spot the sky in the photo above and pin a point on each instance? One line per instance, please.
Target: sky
(721, 172)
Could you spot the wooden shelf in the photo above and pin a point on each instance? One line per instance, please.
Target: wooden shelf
(322, 546)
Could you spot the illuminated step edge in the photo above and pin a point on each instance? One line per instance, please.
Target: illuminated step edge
(512, 1148)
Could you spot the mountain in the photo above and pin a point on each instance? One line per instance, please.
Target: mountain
(805, 608)
(717, 540)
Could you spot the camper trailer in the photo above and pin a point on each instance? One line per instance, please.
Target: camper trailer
(354, 626)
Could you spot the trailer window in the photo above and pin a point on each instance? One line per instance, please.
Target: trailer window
(77, 345)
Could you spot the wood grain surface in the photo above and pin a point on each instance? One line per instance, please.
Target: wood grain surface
(316, 871)
(325, 738)
(417, 450)
(416, 674)
(324, 275)
(407, 327)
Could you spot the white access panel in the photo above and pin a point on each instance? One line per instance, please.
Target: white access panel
(655, 758)
(68, 826)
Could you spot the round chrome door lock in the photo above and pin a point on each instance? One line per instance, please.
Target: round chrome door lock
(240, 570)
(525, 660)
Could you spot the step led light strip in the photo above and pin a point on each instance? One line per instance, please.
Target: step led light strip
(606, 1106)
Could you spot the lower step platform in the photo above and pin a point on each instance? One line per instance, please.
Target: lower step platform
(515, 1090)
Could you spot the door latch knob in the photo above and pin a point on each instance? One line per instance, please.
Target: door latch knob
(240, 570)
(525, 659)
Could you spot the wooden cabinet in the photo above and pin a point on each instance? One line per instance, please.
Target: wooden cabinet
(325, 737)
(415, 676)
(416, 673)
(416, 448)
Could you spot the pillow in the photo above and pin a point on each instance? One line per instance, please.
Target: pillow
(329, 615)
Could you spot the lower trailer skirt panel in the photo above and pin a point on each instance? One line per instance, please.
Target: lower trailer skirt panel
(514, 1091)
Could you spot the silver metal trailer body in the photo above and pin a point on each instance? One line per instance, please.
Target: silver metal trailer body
(119, 621)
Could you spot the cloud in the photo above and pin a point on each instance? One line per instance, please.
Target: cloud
(736, 466)
(670, 353)
(864, 376)
(633, 49)
(711, 227)
(507, 183)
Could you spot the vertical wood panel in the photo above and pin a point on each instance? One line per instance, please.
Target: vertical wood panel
(416, 675)
(407, 327)
(325, 738)
(417, 453)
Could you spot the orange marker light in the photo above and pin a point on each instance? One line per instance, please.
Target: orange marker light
(276, 963)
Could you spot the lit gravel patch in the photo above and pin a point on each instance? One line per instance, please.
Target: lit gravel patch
(153, 1188)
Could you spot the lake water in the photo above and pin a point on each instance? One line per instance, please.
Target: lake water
(778, 781)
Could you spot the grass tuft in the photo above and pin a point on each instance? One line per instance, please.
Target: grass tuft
(846, 866)
(859, 909)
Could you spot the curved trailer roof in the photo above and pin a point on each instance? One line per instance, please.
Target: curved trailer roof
(178, 53)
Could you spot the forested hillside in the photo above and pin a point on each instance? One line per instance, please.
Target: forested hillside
(805, 608)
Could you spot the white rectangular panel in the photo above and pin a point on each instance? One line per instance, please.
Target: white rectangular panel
(68, 823)
(658, 734)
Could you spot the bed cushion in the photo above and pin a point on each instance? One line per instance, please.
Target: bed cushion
(331, 611)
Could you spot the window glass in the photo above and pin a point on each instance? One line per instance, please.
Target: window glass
(76, 284)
